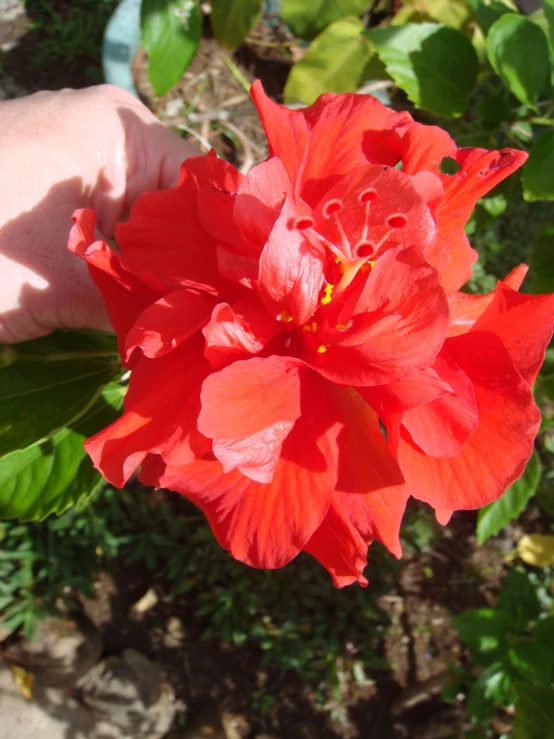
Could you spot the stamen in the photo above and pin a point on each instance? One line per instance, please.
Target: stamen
(365, 197)
(343, 326)
(303, 223)
(326, 299)
(398, 220)
(310, 327)
(285, 316)
(322, 348)
(332, 207)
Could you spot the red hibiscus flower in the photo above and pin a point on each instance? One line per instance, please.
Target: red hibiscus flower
(272, 322)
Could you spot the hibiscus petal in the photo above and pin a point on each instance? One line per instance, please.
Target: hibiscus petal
(465, 308)
(370, 488)
(496, 452)
(164, 325)
(267, 525)
(260, 199)
(323, 142)
(393, 193)
(399, 327)
(397, 397)
(164, 236)
(291, 269)
(161, 408)
(256, 456)
(441, 428)
(249, 396)
(126, 296)
(243, 328)
(339, 548)
(480, 170)
(523, 323)
(424, 148)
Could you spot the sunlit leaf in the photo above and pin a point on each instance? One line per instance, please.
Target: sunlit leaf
(170, 31)
(537, 550)
(232, 20)
(436, 66)
(518, 52)
(538, 171)
(307, 19)
(51, 381)
(335, 62)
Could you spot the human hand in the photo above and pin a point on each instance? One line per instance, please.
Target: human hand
(98, 148)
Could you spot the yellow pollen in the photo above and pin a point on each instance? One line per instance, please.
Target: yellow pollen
(322, 348)
(326, 299)
(342, 326)
(372, 264)
(285, 316)
(310, 327)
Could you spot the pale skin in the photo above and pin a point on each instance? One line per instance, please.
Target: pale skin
(97, 148)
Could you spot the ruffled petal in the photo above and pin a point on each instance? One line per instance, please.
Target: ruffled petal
(424, 148)
(338, 546)
(397, 397)
(323, 142)
(496, 452)
(158, 418)
(465, 308)
(260, 199)
(125, 295)
(164, 325)
(243, 328)
(523, 323)
(164, 237)
(370, 491)
(399, 329)
(480, 170)
(291, 269)
(267, 525)
(441, 428)
(249, 396)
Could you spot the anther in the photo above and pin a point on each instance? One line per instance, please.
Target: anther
(398, 220)
(285, 316)
(366, 196)
(322, 348)
(326, 299)
(332, 207)
(303, 223)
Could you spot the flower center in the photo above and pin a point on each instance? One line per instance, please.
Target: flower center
(346, 228)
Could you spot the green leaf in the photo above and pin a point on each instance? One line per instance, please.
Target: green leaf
(453, 13)
(518, 51)
(436, 66)
(307, 19)
(492, 686)
(49, 383)
(46, 478)
(542, 263)
(534, 712)
(518, 600)
(484, 632)
(232, 20)
(335, 62)
(170, 32)
(548, 7)
(497, 515)
(489, 11)
(538, 171)
(532, 660)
